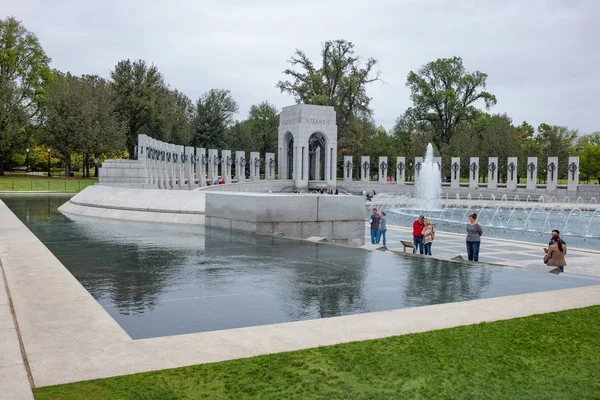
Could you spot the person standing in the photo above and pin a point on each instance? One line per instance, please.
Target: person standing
(555, 257)
(428, 236)
(375, 222)
(382, 228)
(418, 226)
(474, 233)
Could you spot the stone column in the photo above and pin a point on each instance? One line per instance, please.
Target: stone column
(305, 165)
(142, 156)
(365, 168)
(331, 167)
(382, 169)
(511, 173)
(418, 165)
(297, 170)
(152, 163)
(400, 170)
(573, 181)
(348, 168)
(455, 173)
(240, 166)
(474, 173)
(492, 173)
(179, 168)
(162, 164)
(171, 165)
(201, 160)
(552, 171)
(190, 159)
(183, 158)
(532, 173)
(438, 162)
(254, 166)
(226, 163)
(157, 164)
(213, 165)
(270, 165)
(165, 166)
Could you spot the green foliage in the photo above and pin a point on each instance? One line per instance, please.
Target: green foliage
(556, 141)
(104, 130)
(68, 109)
(263, 122)
(444, 94)
(340, 81)
(79, 118)
(545, 356)
(137, 88)
(484, 136)
(214, 115)
(24, 73)
(589, 163)
(410, 137)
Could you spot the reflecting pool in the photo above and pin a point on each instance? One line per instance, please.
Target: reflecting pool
(158, 280)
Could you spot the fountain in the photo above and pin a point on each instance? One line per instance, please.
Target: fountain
(503, 219)
(429, 183)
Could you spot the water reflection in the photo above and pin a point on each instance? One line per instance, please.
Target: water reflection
(157, 279)
(434, 282)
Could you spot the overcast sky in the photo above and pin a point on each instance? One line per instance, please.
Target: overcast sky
(542, 57)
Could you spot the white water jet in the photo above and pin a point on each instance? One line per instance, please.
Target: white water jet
(429, 183)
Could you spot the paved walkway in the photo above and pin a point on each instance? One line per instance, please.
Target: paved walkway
(13, 376)
(497, 251)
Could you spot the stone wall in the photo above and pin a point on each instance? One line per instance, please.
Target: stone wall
(264, 186)
(336, 218)
(122, 172)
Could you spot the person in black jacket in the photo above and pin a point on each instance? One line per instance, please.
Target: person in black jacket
(375, 222)
(555, 232)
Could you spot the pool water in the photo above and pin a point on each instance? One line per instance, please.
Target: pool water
(158, 280)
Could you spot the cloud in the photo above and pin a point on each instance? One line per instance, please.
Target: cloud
(541, 56)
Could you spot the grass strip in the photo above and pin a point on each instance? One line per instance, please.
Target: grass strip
(37, 183)
(549, 356)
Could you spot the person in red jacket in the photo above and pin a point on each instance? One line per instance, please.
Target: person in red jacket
(418, 226)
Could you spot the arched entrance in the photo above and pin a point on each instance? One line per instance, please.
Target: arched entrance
(316, 157)
(290, 156)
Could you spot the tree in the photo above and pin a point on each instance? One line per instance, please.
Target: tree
(214, 115)
(104, 131)
(555, 141)
(180, 117)
(136, 90)
(589, 150)
(239, 137)
(263, 120)
(24, 73)
(444, 94)
(340, 81)
(67, 113)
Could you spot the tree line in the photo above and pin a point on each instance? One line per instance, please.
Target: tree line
(86, 118)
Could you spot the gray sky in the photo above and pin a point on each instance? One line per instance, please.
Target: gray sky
(542, 57)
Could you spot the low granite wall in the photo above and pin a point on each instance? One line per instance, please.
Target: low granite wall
(122, 172)
(336, 218)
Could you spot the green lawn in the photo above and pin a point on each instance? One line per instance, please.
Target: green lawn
(550, 356)
(40, 183)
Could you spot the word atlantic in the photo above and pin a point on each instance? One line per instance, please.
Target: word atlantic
(307, 121)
